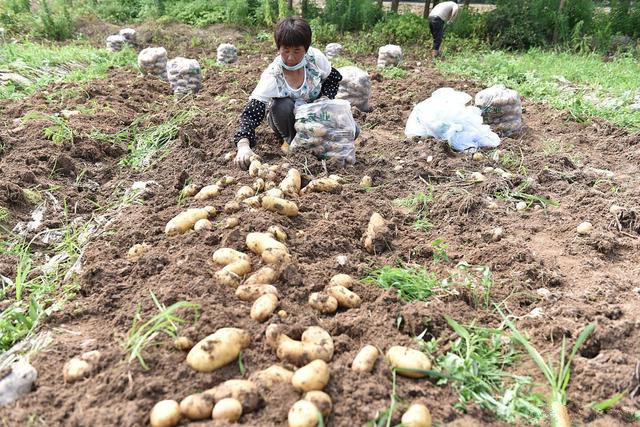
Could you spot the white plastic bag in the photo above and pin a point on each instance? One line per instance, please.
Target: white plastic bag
(446, 116)
(327, 129)
(355, 87)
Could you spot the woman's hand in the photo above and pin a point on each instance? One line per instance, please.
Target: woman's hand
(244, 154)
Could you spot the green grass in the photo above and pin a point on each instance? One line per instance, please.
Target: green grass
(520, 194)
(419, 204)
(4, 214)
(58, 131)
(477, 281)
(44, 64)
(166, 322)
(37, 293)
(145, 142)
(395, 73)
(383, 419)
(477, 367)
(411, 283)
(535, 75)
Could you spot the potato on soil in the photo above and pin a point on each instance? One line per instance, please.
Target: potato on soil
(321, 399)
(376, 236)
(224, 256)
(323, 185)
(344, 296)
(342, 280)
(138, 250)
(190, 190)
(271, 250)
(258, 185)
(366, 182)
(231, 274)
(196, 406)
(316, 343)
(277, 232)
(264, 307)
(208, 192)
(218, 349)
(313, 376)
(274, 192)
(365, 359)
(290, 185)
(230, 223)
(272, 375)
(227, 409)
(338, 179)
(323, 303)
(183, 343)
(165, 413)
(303, 414)
(232, 207)
(245, 192)
(185, 221)
(253, 201)
(203, 224)
(253, 292)
(407, 360)
(254, 168)
(416, 416)
(81, 367)
(280, 206)
(263, 276)
(244, 391)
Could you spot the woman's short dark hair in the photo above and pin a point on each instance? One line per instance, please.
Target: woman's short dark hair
(292, 32)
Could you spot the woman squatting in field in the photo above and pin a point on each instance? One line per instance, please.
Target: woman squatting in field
(299, 74)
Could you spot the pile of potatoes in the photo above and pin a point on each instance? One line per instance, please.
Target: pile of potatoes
(304, 362)
(337, 294)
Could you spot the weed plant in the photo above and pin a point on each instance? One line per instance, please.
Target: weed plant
(166, 322)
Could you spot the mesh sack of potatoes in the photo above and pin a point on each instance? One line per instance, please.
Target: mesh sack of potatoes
(115, 43)
(501, 109)
(129, 35)
(389, 55)
(153, 61)
(184, 75)
(332, 50)
(227, 54)
(355, 87)
(326, 128)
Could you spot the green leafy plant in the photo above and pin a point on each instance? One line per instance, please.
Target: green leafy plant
(476, 366)
(411, 283)
(520, 194)
(419, 203)
(395, 73)
(166, 322)
(557, 376)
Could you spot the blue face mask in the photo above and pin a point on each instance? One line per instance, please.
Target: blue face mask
(298, 66)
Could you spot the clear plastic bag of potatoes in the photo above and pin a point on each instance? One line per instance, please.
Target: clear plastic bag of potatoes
(327, 129)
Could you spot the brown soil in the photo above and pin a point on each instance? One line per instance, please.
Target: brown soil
(590, 278)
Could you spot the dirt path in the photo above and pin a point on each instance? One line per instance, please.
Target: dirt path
(589, 278)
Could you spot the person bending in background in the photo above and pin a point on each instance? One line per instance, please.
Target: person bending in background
(299, 74)
(442, 14)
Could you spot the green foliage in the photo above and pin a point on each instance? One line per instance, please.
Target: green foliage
(351, 14)
(519, 25)
(54, 23)
(468, 24)
(405, 29)
(476, 366)
(145, 142)
(45, 64)
(412, 283)
(418, 203)
(199, 12)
